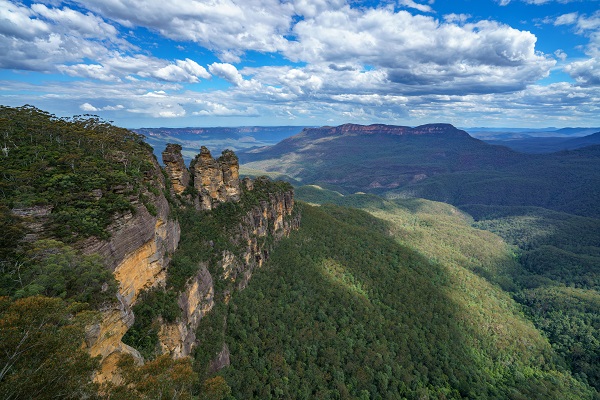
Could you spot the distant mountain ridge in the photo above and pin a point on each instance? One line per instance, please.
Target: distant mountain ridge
(354, 129)
(434, 161)
(539, 145)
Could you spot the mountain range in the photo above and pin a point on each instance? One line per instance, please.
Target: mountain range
(438, 162)
(122, 279)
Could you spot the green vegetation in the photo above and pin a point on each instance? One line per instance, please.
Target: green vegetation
(41, 356)
(205, 235)
(344, 311)
(560, 278)
(84, 169)
(566, 315)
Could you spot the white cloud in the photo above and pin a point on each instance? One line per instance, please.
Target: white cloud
(560, 54)
(87, 25)
(585, 72)
(415, 5)
(227, 26)
(115, 67)
(181, 71)
(566, 19)
(421, 53)
(88, 107)
(230, 73)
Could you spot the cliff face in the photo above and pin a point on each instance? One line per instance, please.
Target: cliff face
(215, 180)
(272, 217)
(137, 252)
(175, 168)
(141, 242)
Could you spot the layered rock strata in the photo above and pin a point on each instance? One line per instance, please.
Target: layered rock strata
(137, 253)
(216, 180)
(273, 217)
(175, 168)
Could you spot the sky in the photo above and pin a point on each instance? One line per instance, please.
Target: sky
(179, 63)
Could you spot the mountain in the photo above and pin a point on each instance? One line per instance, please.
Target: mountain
(436, 161)
(548, 144)
(123, 279)
(492, 134)
(109, 262)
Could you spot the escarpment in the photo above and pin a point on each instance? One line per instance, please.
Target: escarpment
(138, 254)
(260, 213)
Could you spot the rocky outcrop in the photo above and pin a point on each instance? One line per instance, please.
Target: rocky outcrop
(137, 253)
(216, 181)
(273, 218)
(175, 168)
(196, 301)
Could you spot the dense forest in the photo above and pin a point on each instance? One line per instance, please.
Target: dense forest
(559, 294)
(370, 298)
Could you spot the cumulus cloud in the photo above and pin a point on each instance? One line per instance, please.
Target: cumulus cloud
(585, 72)
(87, 107)
(181, 71)
(31, 42)
(224, 26)
(421, 51)
(116, 66)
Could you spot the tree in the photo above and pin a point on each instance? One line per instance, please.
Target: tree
(41, 356)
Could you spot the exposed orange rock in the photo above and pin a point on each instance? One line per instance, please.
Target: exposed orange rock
(217, 181)
(175, 168)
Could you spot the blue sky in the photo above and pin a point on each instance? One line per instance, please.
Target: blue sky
(177, 63)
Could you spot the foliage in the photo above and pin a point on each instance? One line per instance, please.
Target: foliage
(570, 318)
(343, 311)
(152, 308)
(556, 250)
(162, 378)
(52, 268)
(41, 356)
(84, 168)
(205, 235)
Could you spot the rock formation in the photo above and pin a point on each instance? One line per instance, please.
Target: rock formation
(175, 168)
(137, 253)
(140, 243)
(273, 217)
(216, 181)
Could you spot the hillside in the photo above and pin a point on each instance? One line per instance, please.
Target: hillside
(437, 162)
(122, 279)
(109, 263)
(548, 144)
(552, 270)
(343, 310)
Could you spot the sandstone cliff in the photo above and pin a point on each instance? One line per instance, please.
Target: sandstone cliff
(268, 221)
(215, 180)
(141, 243)
(137, 253)
(175, 168)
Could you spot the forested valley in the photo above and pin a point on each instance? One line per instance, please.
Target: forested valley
(116, 283)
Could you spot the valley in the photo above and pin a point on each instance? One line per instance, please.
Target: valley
(189, 280)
